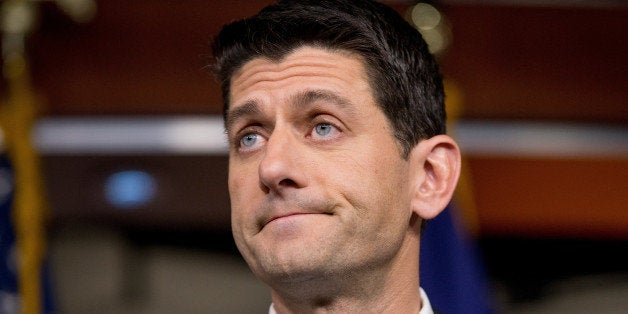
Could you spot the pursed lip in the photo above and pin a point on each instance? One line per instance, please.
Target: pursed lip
(288, 215)
(282, 215)
(273, 209)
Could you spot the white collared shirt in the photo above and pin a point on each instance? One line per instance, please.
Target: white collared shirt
(426, 307)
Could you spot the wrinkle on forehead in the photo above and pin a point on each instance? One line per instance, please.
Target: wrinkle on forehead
(306, 61)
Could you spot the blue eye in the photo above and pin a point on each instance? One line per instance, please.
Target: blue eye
(249, 140)
(323, 129)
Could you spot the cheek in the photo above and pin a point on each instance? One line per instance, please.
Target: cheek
(241, 177)
(241, 185)
(240, 198)
(379, 189)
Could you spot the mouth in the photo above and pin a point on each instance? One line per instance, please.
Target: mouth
(291, 211)
(286, 217)
(289, 215)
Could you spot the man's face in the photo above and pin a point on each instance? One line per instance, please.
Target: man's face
(317, 182)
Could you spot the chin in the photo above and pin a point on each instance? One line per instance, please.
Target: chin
(291, 268)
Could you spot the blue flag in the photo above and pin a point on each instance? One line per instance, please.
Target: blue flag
(451, 270)
(9, 301)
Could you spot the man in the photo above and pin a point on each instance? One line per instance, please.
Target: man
(335, 119)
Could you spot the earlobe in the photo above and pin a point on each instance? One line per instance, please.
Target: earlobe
(435, 170)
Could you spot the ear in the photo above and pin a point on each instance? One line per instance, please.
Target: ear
(435, 168)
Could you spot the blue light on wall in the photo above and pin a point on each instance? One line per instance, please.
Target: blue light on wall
(130, 189)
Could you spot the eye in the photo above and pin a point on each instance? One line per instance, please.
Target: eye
(323, 129)
(250, 141)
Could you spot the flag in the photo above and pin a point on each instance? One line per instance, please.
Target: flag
(8, 264)
(451, 271)
(25, 216)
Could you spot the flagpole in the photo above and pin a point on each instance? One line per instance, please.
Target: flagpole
(17, 116)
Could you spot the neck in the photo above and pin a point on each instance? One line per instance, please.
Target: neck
(391, 288)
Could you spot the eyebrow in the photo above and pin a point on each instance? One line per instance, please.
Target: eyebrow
(300, 100)
(308, 97)
(249, 108)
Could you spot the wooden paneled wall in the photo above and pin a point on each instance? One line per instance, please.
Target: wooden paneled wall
(542, 63)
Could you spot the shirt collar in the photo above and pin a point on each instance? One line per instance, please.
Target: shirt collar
(426, 307)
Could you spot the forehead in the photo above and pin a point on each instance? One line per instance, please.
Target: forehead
(308, 67)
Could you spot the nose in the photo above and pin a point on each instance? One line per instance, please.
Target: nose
(281, 166)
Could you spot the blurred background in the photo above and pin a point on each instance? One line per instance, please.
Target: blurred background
(114, 160)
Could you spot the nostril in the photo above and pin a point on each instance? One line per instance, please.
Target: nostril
(288, 183)
(285, 183)
(264, 188)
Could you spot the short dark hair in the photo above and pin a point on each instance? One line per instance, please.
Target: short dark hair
(402, 73)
